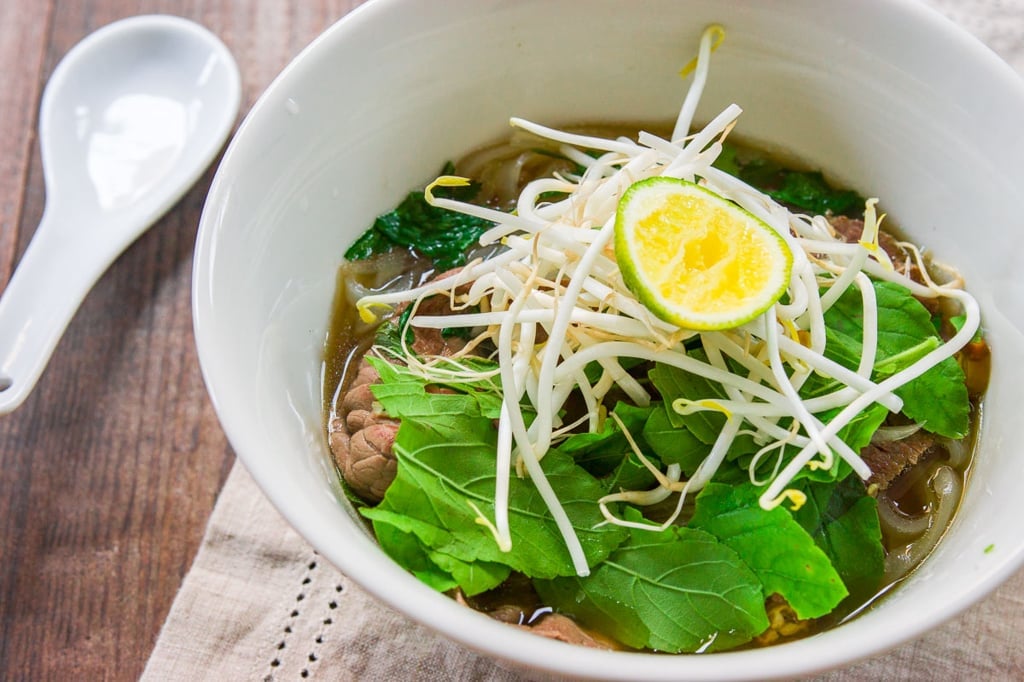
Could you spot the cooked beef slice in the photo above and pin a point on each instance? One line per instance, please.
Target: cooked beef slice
(361, 437)
(851, 229)
(889, 459)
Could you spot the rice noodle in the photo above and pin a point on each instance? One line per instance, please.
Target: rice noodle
(888, 434)
(898, 524)
(947, 487)
(957, 451)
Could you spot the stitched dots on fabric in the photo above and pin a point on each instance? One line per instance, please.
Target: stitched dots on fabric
(297, 651)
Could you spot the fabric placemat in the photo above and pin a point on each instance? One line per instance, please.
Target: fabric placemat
(260, 604)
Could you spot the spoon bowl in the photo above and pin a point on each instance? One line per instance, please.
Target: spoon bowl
(130, 119)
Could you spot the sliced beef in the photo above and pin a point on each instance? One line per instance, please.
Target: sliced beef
(550, 625)
(564, 629)
(889, 459)
(851, 229)
(361, 437)
(427, 342)
(361, 434)
(515, 602)
(507, 613)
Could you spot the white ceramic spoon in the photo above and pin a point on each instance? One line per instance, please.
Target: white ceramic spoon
(131, 118)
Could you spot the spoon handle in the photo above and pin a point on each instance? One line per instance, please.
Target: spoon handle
(58, 269)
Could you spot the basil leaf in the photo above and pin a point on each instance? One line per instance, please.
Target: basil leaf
(630, 474)
(437, 233)
(443, 486)
(704, 425)
(676, 590)
(403, 393)
(843, 520)
(601, 452)
(673, 383)
(938, 398)
(672, 444)
(440, 571)
(473, 577)
(410, 553)
(807, 190)
(773, 545)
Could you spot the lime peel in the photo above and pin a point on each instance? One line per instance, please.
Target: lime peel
(696, 259)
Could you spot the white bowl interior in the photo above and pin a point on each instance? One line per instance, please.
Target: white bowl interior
(376, 104)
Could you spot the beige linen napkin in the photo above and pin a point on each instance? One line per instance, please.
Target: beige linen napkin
(260, 604)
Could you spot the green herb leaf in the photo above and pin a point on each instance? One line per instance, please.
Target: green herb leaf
(705, 425)
(445, 487)
(630, 474)
(843, 520)
(406, 549)
(773, 545)
(370, 243)
(440, 571)
(389, 333)
(402, 393)
(957, 322)
(677, 590)
(601, 452)
(728, 160)
(672, 444)
(437, 233)
(807, 190)
(673, 383)
(938, 398)
(436, 485)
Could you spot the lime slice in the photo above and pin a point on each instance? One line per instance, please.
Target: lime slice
(696, 259)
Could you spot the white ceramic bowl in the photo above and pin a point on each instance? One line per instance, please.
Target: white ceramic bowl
(886, 94)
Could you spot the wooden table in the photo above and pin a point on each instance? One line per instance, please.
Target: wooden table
(110, 469)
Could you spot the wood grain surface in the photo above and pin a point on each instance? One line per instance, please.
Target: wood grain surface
(110, 469)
